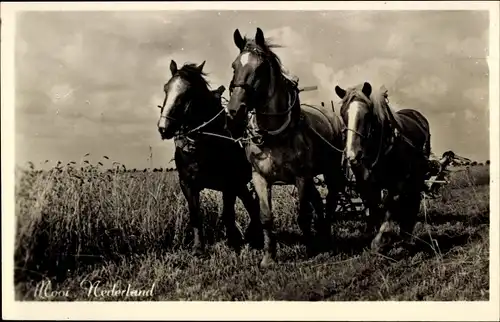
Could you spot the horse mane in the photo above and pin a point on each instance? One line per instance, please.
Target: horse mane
(381, 107)
(192, 74)
(377, 101)
(265, 51)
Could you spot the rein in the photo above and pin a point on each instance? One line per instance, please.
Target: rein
(248, 87)
(197, 130)
(320, 136)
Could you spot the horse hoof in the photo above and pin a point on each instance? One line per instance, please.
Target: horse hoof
(236, 245)
(267, 262)
(254, 237)
(380, 242)
(235, 239)
(326, 238)
(375, 245)
(198, 251)
(370, 230)
(408, 241)
(312, 250)
(255, 243)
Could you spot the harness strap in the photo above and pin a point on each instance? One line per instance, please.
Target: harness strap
(205, 123)
(283, 127)
(326, 141)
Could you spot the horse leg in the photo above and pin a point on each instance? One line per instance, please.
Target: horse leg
(234, 235)
(322, 223)
(390, 207)
(192, 196)
(254, 233)
(305, 214)
(335, 183)
(407, 220)
(370, 195)
(371, 200)
(263, 190)
(411, 200)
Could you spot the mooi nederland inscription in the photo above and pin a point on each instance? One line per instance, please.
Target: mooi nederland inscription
(46, 290)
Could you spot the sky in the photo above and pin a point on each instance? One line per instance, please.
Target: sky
(90, 82)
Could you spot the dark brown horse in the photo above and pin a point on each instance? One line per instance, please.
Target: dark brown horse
(286, 143)
(193, 115)
(386, 150)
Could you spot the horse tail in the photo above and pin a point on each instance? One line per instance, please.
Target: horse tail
(427, 147)
(427, 144)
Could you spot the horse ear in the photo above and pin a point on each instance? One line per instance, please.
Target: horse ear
(238, 40)
(173, 67)
(221, 89)
(367, 89)
(200, 67)
(340, 92)
(259, 37)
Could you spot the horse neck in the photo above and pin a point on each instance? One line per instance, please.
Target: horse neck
(380, 137)
(389, 119)
(276, 101)
(206, 107)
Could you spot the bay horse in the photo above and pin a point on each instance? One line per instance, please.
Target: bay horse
(193, 115)
(286, 143)
(386, 150)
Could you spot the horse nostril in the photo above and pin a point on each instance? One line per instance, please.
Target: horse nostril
(354, 158)
(232, 113)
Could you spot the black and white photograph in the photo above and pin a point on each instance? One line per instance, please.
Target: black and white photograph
(274, 152)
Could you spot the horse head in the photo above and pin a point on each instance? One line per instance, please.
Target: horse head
(358, 113)
(249, 70)
(186, 86)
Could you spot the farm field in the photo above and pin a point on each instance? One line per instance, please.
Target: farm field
(78, 224)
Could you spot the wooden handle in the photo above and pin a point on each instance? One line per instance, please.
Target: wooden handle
(308, 88)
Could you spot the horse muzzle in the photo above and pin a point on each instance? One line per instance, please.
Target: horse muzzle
(354, 158)
(233, 113)
(165, 132)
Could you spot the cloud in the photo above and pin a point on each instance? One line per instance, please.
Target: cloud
(356, 21)
(472, 47)
(426, 89)
(477, 95)
(376, 71)
(114, 65)
(288, 38)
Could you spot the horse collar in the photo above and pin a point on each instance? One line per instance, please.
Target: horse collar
(284, 126)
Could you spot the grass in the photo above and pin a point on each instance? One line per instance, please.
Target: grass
(77, 224)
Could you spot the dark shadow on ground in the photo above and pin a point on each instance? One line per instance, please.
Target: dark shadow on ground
(433, 245)
(436, 218)
(346, 245)
(433, 217)
(288, 238)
